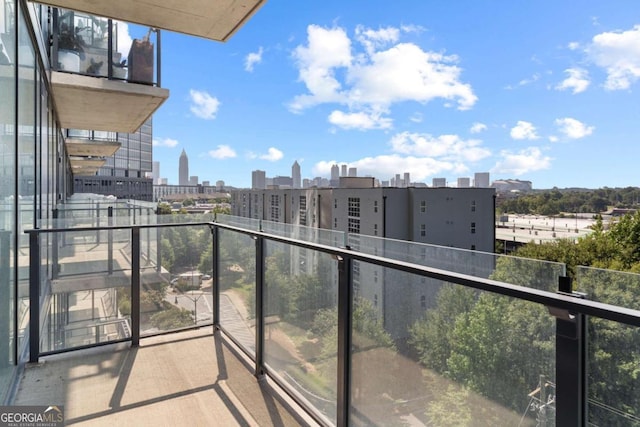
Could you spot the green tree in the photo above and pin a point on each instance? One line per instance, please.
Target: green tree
(431, 336)
(163, 209)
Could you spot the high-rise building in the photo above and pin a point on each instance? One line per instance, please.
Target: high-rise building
(295, 175)
(124, 173)
(481, 180)
(353, 172)
(439, 182)
(335, 172)
(193, 180)
(155, 173)
(258, 180)
(183, 169)
(464, 182)
(407, 179)
(343, 170)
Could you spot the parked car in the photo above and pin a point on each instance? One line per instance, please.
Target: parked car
(206, 277)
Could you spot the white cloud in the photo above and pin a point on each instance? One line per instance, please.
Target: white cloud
(523, 130)
(578, 80)
(553, 138)
(416, 117)
(360, 120)
(619, 54)
(327, 49)
(203, 105)
(372, 78)
(522, 162)
(222, 152)
(273, 155)
(407, 73)
(252, 59)
(524, 82)
(573, 45)
(376, 39)
(448, 147)
(165, 142)
(124, 40)
(478, 127)
(573, 128)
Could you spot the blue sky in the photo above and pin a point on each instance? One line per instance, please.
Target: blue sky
(545, 91)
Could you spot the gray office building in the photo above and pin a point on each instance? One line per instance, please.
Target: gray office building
(125, 173)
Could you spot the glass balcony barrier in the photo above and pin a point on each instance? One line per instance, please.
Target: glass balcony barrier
(357, 338)
(97, 285)
(95, 46)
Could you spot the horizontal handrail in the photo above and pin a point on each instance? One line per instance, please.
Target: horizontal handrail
(113, 227)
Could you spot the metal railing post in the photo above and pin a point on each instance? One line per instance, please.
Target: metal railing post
(135, 286)
(260, 292)
(5, 292)
(110, 240)
(345, 313)
(55, 265)
(215, 288)
(34, 297)
(158, 250)
(110, 49)
(571, 363)
(158, 58)
(98, 223)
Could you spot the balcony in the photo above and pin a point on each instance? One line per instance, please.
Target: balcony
(98, 84)
(215, 20)
(380, 333)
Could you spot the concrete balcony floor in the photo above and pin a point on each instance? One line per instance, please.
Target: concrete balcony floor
(191, 378)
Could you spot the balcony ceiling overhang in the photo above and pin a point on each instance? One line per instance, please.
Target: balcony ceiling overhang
(96, 103)
(91, 148)
(86, 162)
(211, 19)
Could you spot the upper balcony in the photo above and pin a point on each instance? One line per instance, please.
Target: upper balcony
(99, 83)
(215, 20)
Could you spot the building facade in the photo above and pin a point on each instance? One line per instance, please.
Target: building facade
(125, 174)
(45, 152)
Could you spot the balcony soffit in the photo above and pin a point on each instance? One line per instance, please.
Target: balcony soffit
(211, 19)
(95, 103)
(91, 148)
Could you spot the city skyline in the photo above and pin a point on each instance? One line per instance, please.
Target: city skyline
(401, 89)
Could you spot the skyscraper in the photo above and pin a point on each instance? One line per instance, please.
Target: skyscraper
(183, 170)
(481, 180)
(258, 180)
(155, 171)
(295, 175)
(335, 173)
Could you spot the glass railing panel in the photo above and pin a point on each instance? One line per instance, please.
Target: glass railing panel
(518, 271)
(236, 221)
(614, 349)
(88, 300)
(237, 287)
(307, 234)
(300, 315)
(176, 278)
(427, 352)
